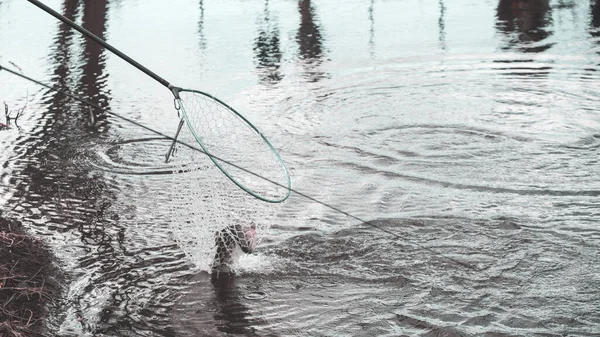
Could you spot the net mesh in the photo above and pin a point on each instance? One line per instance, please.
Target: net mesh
(213, 220)
(240, 150)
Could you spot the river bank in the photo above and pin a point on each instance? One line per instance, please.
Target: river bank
(29, 281)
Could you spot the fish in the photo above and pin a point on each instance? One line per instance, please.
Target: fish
(228, 240)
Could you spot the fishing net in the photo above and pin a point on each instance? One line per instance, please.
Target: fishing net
(235, 146)
(213, 220)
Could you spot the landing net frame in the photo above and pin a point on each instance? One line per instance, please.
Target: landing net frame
(229, 166)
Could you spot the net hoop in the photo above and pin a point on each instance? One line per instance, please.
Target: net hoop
(215, 159)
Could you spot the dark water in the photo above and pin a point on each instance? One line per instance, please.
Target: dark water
(469, 129)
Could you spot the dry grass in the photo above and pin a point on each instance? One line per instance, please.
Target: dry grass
(27, 282)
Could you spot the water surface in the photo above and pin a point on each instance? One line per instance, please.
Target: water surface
(467, 129)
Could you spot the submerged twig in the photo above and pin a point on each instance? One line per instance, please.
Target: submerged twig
(8, 114)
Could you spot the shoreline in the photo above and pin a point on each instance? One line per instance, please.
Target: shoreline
(29, 281)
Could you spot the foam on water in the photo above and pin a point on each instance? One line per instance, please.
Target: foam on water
(256, 263)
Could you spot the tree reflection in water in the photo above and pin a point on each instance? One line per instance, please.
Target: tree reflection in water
(525, 24)
(310, 41)
(267, 48)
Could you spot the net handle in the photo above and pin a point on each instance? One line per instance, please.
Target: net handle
(103, 43)
(288, 186)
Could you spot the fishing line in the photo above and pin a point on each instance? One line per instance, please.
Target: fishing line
(304, 195)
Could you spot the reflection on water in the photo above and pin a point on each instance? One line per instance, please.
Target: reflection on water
(201, 37)
(232, 316)
(594, 31)
(310, 41)
(372, 29)
(442, 25)
(61, 58)
(525, 23)
(93, 77)
(477, 154)
(595, 17)
(267, 49)
(523, 68)
(216, 305)
(68, 196)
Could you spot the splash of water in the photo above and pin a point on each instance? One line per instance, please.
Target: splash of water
(206, 202)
